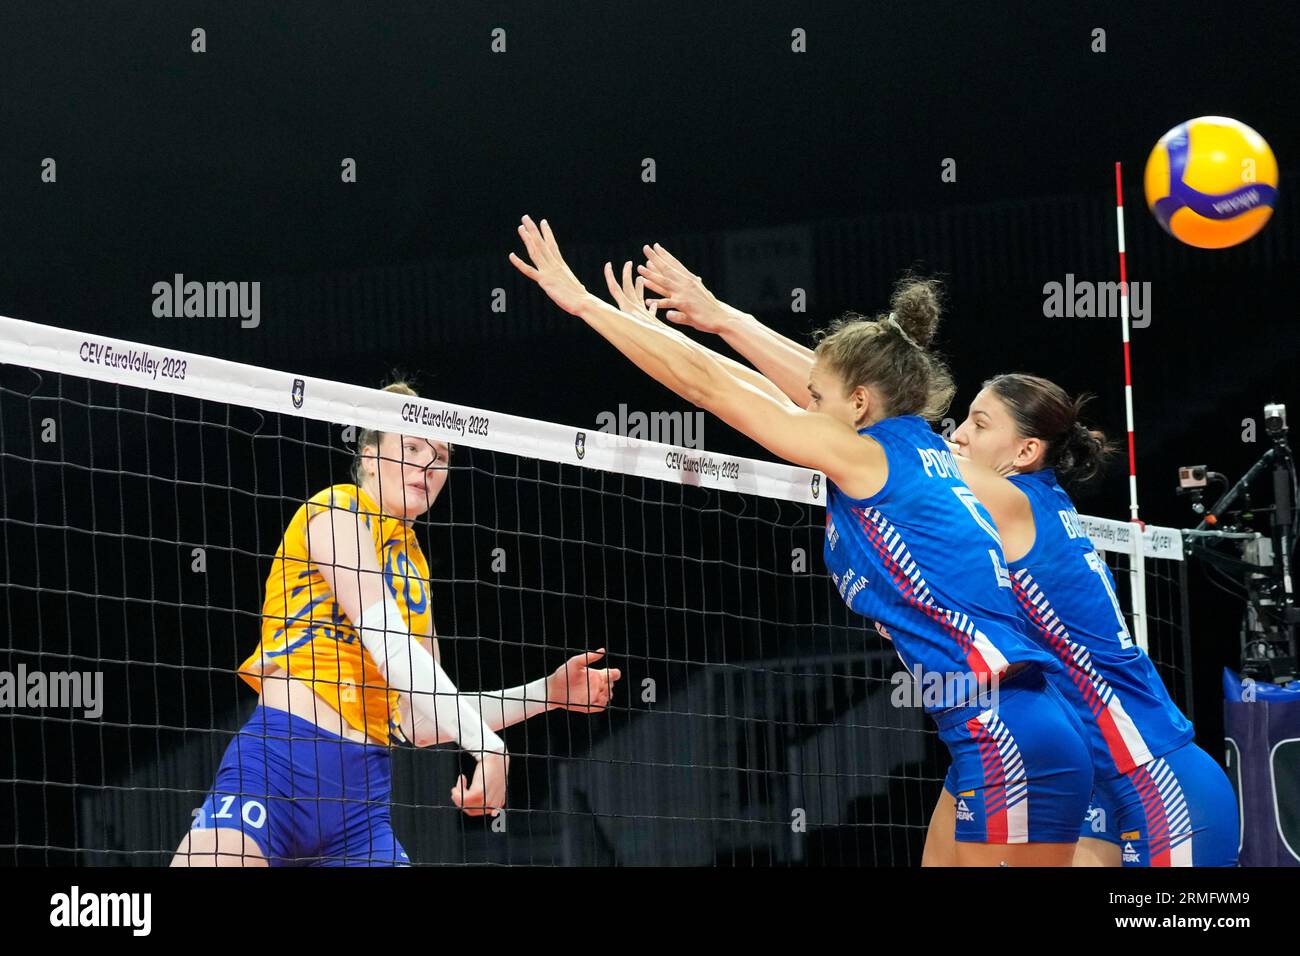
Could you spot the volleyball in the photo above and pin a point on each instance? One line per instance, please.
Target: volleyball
(1211, 182)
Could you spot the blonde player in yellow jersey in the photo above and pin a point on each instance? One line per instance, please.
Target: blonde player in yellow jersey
(347, 664)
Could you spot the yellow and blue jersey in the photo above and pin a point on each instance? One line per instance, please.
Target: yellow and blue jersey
(307, 634)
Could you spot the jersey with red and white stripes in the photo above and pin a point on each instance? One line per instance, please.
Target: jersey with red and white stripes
(1067, 594)
(923, 560)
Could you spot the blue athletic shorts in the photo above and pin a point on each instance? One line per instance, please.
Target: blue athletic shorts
(305, 796)
(1021, 770)
(1176, 810)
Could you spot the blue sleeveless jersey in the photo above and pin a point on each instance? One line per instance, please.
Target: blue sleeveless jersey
(923, 560)
(1068, 596)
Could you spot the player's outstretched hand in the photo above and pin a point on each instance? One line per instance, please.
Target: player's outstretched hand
(548, 268)
(685, 299)
(629, 296)
(576, 685)
(487, 793)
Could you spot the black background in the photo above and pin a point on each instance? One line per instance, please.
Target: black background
(225, 165)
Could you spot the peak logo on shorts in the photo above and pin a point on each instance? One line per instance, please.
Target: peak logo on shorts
(964, 813)
(1131, 855)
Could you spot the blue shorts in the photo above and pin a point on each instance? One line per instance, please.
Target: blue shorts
(1176, 810)
(1021, 770)
(305, 796)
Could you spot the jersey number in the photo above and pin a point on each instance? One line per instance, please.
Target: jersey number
(1099, 568)
(967, 497)
(400, 571)
(253, 812)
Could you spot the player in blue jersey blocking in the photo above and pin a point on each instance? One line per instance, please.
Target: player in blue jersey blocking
(1159, 799)
(907, 542)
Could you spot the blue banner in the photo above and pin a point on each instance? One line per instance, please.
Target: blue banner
(1262, 730)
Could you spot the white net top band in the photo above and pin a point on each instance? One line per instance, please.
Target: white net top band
(159, 369)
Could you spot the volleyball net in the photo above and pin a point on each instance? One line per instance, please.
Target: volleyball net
(144, 491)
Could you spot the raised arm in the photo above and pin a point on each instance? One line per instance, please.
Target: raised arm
(805, 438)
(687, 302)
(630, 299)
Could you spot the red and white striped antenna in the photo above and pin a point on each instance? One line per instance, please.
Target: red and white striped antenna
(1138, 565)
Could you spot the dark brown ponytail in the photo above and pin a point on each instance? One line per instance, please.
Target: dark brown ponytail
(1042, 409)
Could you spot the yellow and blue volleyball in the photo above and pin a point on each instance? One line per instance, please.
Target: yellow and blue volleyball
(1211, 182)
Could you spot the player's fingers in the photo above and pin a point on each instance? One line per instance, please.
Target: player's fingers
(633, 287)
(629, 288)
(588, 657)
(544, 249)
(524, 267)
(672, 259)
(668, 265)
(549, 236)
(640, 289)
(552, 246)
(533, 243)
(614, 289)
(674, 263)
(654, 263)
(655, 257)
(472, 802)
(656, 280)
(676, 317)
